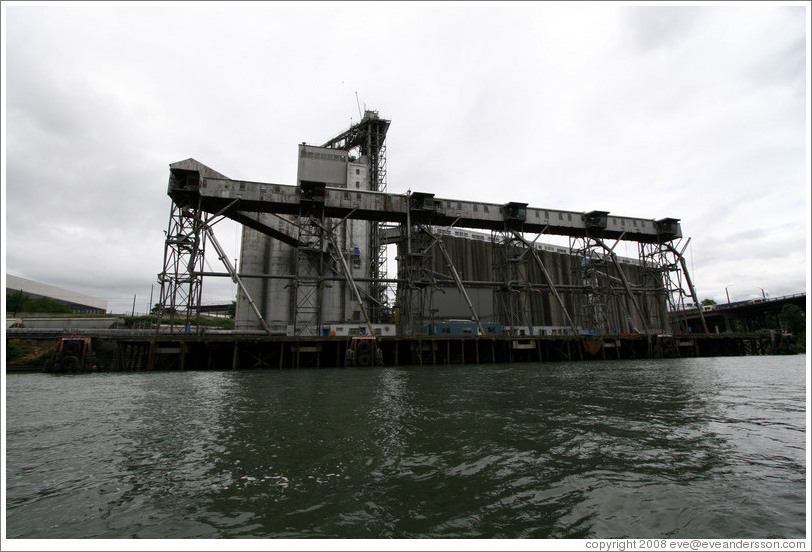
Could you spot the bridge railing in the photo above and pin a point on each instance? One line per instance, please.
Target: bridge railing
(734, 304)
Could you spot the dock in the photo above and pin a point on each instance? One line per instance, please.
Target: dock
(148, 351)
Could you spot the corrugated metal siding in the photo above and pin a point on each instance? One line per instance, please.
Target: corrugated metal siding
(44, 290)
(474, 260)
(322, 165)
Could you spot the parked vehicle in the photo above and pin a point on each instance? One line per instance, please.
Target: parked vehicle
(462, 327)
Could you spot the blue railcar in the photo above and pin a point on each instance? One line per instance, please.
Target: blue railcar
(463, 328)
(453, 328)
(492, 328)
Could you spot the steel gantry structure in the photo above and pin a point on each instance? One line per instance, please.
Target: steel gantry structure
(368, 138)
(304, 216)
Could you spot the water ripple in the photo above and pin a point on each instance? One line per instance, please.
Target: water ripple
(685, 448)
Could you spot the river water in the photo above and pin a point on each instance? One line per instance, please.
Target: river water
(685, 448)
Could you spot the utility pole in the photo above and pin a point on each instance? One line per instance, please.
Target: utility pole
(149, 307)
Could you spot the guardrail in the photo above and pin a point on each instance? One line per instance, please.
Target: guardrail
(756, 301)
(85, 332)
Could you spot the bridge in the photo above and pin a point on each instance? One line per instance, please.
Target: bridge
(744, 316)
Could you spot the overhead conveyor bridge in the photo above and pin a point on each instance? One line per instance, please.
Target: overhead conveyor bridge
(236, 199)
(308, 216)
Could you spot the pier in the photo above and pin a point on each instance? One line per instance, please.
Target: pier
(142, 351)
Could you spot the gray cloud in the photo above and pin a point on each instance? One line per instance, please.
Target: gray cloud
(692, 112)
(653, 27)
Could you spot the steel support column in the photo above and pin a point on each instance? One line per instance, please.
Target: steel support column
(416, 270)
(180, 280)
(511, 303)
(664, 260)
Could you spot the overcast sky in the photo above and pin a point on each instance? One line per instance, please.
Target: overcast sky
(696, 113)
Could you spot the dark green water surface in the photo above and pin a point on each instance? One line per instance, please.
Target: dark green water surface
(690, 448)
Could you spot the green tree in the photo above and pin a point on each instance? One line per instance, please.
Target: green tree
(792, 319)
(46, 304)
(707, 302)
(20, 302)
(15, 301)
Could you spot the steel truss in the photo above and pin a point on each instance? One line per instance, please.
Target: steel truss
(416, 270)
(609, 300)
(180, 280)
(195, 189)
(590, 272)
(511, 302)
(663, 268)
(318, 258)
(309, 266)
(340, 262)
(369, 138)
(548, 279)
(184, 258)
(454, 275)
(376, 140)
(389, 286)
(663, 262)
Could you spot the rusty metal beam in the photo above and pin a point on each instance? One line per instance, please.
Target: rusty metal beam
(216, 193)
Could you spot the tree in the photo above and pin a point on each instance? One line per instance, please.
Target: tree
(792, 319)
(15, 301)
(20, 302)
(707, 302)
(46, 304)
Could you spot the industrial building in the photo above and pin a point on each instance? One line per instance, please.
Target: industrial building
(77, 302)
(313, 258)
(311, 303)
(504, 287)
